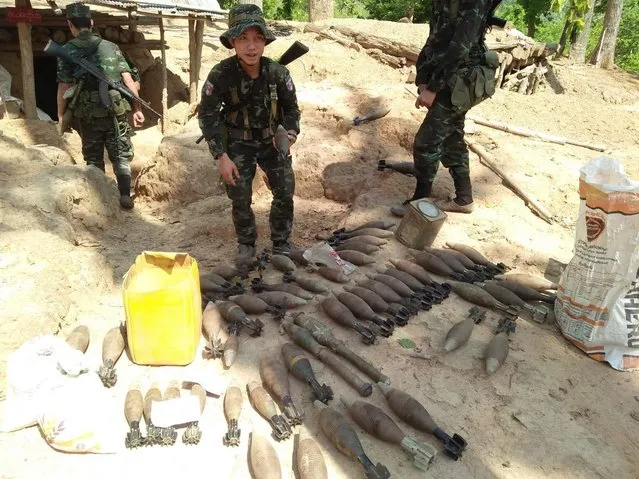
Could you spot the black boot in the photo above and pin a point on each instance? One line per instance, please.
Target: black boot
(281, 247)
(124, 186)
(422, 190)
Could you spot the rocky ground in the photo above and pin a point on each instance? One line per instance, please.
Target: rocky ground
(549, 411)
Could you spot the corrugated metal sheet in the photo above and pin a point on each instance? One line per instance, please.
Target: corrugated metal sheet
(167, 7)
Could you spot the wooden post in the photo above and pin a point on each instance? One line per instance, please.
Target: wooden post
(192, 62)
(197, 55)
(26, 63)
(165, 113)
(133, 19)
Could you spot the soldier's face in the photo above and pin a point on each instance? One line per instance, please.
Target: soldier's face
(249, 46)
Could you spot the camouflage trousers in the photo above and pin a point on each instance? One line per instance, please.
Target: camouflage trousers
(279, 170)
(440, 138)
(100, 133)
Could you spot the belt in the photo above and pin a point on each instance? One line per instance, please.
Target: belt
(249, 134)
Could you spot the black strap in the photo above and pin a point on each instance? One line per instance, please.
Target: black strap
(86, 53)
(252, 134)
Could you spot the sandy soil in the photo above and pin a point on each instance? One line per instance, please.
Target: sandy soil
(548, 412)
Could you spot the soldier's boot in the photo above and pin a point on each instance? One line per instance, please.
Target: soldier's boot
(245, 255)
(124, 186)
(421, 191)
(463, 201)
(282, 246)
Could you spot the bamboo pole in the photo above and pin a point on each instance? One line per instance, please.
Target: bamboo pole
(488, 160)
(165, 113)
(518, 130)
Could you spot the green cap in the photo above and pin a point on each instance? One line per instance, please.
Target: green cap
(78, 10)
(245, 16)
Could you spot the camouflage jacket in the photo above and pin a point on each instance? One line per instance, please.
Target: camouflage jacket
(455, 39)
(218, 108)
(101, 53)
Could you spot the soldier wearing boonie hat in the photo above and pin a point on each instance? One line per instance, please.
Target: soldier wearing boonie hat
(242, 17)
(100, 126)
(244, 99)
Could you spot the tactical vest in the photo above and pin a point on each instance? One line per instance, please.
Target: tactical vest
(90, 103)
(475, 84)
(248, 133)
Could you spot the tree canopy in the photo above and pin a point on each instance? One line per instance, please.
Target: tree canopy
(545, 20)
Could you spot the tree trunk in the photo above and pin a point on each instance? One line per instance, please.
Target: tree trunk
(252, 2)
(578, 48)
(604, 54)
(531, 27)
(563, 39)
(410, 10)
(320, 10)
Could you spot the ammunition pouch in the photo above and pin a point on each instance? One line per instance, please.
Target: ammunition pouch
(474, 84)
(92, 105)
(256, 134)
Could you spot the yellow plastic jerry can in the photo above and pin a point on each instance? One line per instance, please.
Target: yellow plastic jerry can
(163, 308)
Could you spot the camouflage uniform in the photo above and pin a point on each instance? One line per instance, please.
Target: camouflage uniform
(454, 65)
(237, 117)
(100, 126)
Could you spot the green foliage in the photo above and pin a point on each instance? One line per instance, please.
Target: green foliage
(272, 7)
(513, 12)
(394, 10)
(536, 10)
(350, 9)
(627, 52)
(549, 30)
(576, 12)
(407, 343)
(548, 16)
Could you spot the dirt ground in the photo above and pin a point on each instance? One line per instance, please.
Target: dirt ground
(548, 412)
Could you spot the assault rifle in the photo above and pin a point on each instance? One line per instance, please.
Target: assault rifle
(492, 20)
(295, 51)
(54, 49)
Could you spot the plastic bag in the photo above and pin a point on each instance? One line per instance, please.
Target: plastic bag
(322, 253)
(597, 305)
(81, 417)
(34, 371)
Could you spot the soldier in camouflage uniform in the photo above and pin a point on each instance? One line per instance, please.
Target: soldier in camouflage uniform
(454, 72)
(100, 125)
(243, 100)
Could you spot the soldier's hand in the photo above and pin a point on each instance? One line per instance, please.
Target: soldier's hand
(228, 170)
(425, 98)
(292, 137)
(138, 119)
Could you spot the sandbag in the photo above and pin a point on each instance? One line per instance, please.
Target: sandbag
(597, 307)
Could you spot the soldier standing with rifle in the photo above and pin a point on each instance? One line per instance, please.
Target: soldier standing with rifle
(244, 99)
(101, 112)
(455, 71)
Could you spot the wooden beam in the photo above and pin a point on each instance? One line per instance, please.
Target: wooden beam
(26, 63)
(521, 131)
(54, 6)
(192, 62)
(165, 81)
(39, 46)
(199, 38)
(100, 20)
(133, 19)
(530, 200)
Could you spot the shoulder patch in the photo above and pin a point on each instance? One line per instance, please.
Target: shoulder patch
(208, 88)
(289, 83)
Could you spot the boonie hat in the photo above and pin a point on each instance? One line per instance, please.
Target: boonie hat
(242, 17)
(78, 10)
